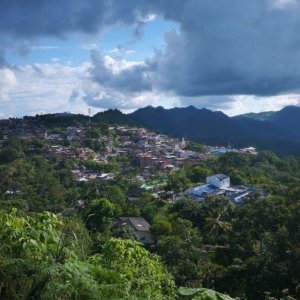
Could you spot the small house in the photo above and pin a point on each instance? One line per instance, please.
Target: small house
(140, 226)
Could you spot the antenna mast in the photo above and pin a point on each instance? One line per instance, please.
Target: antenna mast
(90, 117)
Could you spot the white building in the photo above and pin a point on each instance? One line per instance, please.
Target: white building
(185, 153)
(220, 181)
(215, 184)
(220, 185)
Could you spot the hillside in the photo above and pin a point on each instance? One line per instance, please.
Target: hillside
(188, 122)
(111, 116)
(116, 117)
(280, 130)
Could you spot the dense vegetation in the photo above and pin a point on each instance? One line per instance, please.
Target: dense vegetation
(250, 251)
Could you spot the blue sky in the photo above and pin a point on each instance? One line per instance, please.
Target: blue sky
(235, 56)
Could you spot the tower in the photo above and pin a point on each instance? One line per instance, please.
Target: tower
(229, 147)
(90, 117)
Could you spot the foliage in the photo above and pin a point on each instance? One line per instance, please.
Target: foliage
(98, 214)
(43, 258)
(203, 294)
(199, 174)
(195, 147)
(125, 232)
(177, 182)
(139, 273)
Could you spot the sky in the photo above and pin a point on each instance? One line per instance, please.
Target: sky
(237, 56)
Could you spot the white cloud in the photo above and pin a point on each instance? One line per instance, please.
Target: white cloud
(281, 4)
(8, 82)
(56, 87)
(247, 103)
(117, 66)
(89, 46)
(55, 59)
(151, 18)
(121, 51)
(40, 87)
(44, 47)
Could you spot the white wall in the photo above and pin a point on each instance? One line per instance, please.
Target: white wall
(225, 183)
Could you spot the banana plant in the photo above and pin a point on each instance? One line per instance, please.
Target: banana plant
(202, 294)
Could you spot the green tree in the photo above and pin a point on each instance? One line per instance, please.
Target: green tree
(199, 174)
(114, 194)
(99, 214)
(188, 209)
(177, 182)
(141, 273)
(161, 227)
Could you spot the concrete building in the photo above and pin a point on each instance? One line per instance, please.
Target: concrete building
(220, 185)
(220, 181)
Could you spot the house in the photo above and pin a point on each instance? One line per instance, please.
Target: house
(146, 160)
(140, 226)
(248, 151)
(134, 194)
(185, 153)
(41, 133)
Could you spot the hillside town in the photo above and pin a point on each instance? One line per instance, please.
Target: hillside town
(151, 152)
(149, 148)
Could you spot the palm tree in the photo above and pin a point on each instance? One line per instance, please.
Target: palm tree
(215, 224)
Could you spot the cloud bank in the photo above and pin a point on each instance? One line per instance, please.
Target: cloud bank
(222, 49)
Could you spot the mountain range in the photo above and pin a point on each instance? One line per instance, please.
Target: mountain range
(278, 131)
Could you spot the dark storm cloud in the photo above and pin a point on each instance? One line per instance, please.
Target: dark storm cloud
(3, 63)
(223, 47)
(236, 47)
(56, 18)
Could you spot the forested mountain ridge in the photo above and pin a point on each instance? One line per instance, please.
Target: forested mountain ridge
(110, 116)
(278, 131)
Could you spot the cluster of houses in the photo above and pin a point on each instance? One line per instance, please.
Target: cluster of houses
(82, 174)
(27, 128)
(69, 153)
(161, 151)
(149, 148)
(154, 150)
(21, 127)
